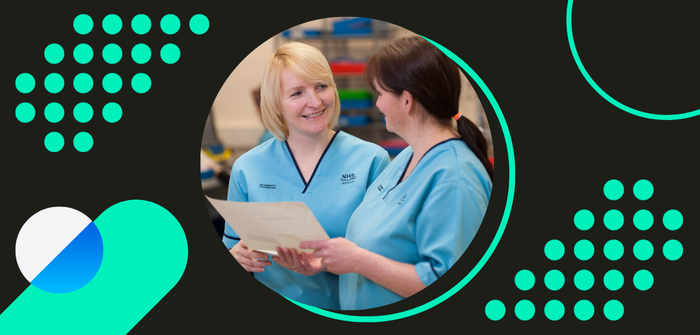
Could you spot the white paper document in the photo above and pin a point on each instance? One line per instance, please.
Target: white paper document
(264, 226)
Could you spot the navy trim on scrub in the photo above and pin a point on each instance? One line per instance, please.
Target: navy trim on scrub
(232, 238)
(306, 184)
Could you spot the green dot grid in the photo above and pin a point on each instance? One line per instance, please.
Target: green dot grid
(83, 112)
(54, 53)
(83, 83)
(83, 24)
(141, 53)
(53, 112)
(112, 53)
(112, 24)
(54, 83)
(141, 24)
(82, 53)
(170, 24)
(54, 142)
(25, 112)
(25, 83)
(613, 250)
(141, 83)
(82, 142)
(112, 112)
(170, 53)
(199, 24)
(112, 83)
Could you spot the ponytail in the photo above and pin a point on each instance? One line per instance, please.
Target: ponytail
(475, 140)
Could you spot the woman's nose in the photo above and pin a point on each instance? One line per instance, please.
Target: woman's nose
(314, 100)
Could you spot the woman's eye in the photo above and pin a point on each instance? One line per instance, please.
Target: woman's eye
(321, 87)
(297, 93)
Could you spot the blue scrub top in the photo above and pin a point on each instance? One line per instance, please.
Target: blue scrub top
(428, 219)
(269, 173)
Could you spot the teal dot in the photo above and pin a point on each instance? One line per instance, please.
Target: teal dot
(112, 83)
(613, 280)
(584, 219)
(524, 280)
(83, 83)
(613, 250)
(54, 112)
(554, 310)
(83, 53)
(83, 112)
(54, 142)
(613, 310)
(643, 189)
(141, 83)
(643, 250)
(673, 219)
(141, 53)
(524, 310)
(112, 112)
(199, 24)
(584, 280)
(673, 250)
(643, 219)
(170, 53)
(25, 83)
(54, 83)
(141, 24)
(112, 24)
(25, 112)
(54, 53)
(83, 142)
(584, 310)
(613, 219)
(584, 250)
(170, 24)
(495, 310)
(554, 280)
(82, 24)
(643, 280)
(554, 250)
(613, 189)
(112, 53)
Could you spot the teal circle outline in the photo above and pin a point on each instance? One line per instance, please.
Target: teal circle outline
(582, 308)
(554, 310)
(612, 187)
(579, 64)
(613, 250)
(112, 24)
(25, 112)
(112, 53)
(643, 189)
(494, 243)
(613, 280)
(495, 310)
(168, 53)
(83, 142)
(55, 53)
(670, 219)
(524, 280)
(613, 219)
(138, 53)
(83, 83)
(584, 220)
(643, 250)
(54, 141)
(84, 24)
(581, 250)
(554, 250)
(671, 248)
(524, 310)
(583, 278)
(141, 24)
(26, 82)
(199, 24)
(112, 112)
(554, 280)
(643, 219)
(643, 280)
(612, 308)
(83, 112)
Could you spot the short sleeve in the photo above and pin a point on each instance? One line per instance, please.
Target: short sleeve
(237, 191)
(446, 225)
(379, 163)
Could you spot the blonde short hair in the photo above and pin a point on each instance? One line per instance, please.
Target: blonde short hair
(306, 62)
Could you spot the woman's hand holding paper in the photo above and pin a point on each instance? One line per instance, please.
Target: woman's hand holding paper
(251, 261)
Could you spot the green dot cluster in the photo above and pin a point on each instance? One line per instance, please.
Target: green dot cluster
(583, 250)
(112, 83)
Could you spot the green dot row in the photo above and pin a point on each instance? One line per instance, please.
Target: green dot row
(554, 310)
(613, 280)
(111, 53)
(82, 142)
(83, 83)
(614, 189)
(614, 219)
(613, 250)
(54, 112)
(140, 24)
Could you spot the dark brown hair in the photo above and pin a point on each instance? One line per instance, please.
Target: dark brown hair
(415, 65)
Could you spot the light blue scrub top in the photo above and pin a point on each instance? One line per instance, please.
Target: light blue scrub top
(428, 219)
(269, 173)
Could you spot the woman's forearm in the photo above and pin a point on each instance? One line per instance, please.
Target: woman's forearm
(400, 278)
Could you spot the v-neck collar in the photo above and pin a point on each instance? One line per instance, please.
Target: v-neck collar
(306, 184)
(409, 163)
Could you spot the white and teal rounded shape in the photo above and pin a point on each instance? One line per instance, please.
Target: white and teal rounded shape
(497, 238)
(579, 64)
(136, 272)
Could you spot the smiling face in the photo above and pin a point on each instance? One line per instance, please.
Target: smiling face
(306, 107)
(390, 105)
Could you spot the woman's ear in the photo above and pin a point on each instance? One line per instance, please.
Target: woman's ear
(407, 101)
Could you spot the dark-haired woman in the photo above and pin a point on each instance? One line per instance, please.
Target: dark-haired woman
(422, 212)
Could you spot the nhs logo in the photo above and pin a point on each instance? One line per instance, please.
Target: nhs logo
(347, 178)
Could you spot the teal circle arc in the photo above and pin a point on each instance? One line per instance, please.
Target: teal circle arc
(510, 194)
(606, 96)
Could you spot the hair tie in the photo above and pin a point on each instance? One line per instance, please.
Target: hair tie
(457, 116)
